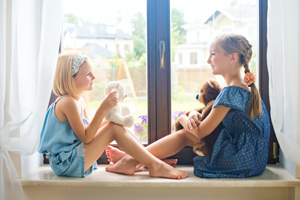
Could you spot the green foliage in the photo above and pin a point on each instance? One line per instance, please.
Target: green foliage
(177, 95)
(139, 33)
(144, 133)
(139, 46)
(177, 32)
(177, 20)
(174, 41)
(139, 26)
(73, 19)
(130, 57)
(143, 60)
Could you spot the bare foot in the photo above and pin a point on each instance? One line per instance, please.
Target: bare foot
(168, 161)
(123, 166)
(114, 155)
(127, 166)
(166, 171)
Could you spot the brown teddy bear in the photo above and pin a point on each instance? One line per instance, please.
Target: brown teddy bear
(208, 93)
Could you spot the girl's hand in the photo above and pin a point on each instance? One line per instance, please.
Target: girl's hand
(193, 120)
(109, 102)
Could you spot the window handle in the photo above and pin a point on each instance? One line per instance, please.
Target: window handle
(162, 54)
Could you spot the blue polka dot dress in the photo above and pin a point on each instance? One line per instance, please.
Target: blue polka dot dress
(241, 149)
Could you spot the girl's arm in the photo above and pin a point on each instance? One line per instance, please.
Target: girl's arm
(86, 113)
(209, 124)
(87, 134)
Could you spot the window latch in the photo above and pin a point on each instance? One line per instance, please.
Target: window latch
(162, 54)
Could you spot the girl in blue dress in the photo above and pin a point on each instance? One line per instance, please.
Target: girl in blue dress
(74, 143)
(241, 149)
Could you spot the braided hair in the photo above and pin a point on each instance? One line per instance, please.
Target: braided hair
(235, 43)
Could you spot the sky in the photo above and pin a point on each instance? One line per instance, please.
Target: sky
(103, 11)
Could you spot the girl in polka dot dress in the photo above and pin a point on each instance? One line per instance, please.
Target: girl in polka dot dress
(241, 149)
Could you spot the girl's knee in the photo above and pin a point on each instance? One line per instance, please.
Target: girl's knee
(116, 128)
(181, 133)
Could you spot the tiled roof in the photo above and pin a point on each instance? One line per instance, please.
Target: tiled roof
(100, 31)
(236, 12)
(98, 51)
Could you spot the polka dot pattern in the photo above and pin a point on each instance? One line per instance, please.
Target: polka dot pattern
(241, 149)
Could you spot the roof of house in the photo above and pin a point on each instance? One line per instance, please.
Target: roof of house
(98, 31)
(237, 12)
(98, 51)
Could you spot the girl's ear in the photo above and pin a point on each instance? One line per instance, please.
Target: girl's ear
(234, 57)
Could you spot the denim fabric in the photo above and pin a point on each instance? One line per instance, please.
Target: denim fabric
(241, 149)
(65, 149)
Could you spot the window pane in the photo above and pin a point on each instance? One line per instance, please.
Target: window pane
(113, 34)
(192, 30)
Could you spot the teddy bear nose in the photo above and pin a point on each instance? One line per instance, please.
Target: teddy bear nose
(197, 96)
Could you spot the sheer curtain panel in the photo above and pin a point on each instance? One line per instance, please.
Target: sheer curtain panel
(29, 42)
(283, 67)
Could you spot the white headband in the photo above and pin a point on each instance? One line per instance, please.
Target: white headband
(77, 61)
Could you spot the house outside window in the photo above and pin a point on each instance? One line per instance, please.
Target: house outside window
(193, 58)
(180, 58)
(226, 30)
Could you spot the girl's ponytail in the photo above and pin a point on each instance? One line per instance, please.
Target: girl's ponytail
(254, 107)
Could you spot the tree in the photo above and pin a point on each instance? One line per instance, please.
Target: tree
(139, 46)
(139, 26)
(139, 33)
(177, 32)
(73, 19)
(177, 20)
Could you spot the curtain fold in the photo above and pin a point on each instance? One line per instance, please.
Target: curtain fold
(29, 43)
(283, 64)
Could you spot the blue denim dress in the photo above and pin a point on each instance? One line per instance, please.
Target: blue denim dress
(241, 149)
(65, 149)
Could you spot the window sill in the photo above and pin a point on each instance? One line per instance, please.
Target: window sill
(273, 176)
(275, 183)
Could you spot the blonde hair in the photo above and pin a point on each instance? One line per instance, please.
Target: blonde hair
(234, 43)
(63, 83)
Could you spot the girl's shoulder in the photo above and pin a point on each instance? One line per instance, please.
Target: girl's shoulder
(235, 88)
(63, 106)
(63, 100)
(234, 97)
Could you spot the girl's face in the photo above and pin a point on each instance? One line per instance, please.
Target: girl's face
(218, 60)
(84, 79)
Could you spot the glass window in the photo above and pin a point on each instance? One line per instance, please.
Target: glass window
(193, 28)
(193, 58)
(113, 34)
(155, 100)
(180, 58)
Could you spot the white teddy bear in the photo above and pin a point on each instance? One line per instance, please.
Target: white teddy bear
(119, 114)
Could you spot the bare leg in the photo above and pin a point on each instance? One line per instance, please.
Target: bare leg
(131, 146)
(114, 155)
(163, 148)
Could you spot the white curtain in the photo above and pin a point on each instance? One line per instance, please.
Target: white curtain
(29, 43)
(283, 65)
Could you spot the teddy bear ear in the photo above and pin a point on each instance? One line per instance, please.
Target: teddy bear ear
(211, 84)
